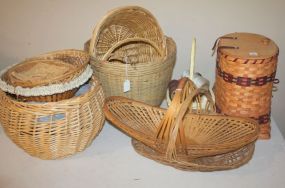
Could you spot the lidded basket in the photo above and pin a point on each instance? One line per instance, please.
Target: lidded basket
(245, 73)
(49, 77)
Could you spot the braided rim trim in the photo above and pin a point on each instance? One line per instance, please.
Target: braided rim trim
(49, 89)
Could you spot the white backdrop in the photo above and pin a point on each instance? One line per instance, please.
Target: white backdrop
(31, 27)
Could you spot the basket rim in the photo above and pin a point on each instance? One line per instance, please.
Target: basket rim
(171, 50)
(119, 124)
(52, 56)
(8, 73)
(160, 157)
(94, 85)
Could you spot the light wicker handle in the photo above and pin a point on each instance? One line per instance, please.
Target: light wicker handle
(185, 88)
(130, 40)
(178, 123)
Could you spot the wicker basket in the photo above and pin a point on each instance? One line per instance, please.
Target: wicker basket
(245, 73)
(54, 68)
(128, 44)
(175, 133)
(225, 161)
(55, 129)
(128, 31)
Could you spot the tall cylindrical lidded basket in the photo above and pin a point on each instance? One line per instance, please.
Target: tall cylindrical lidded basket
(245, 73)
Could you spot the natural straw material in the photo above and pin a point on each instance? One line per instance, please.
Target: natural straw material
(224, 161)
(55, 129)
(128, 44)
(130, 31)
(148, 81)
(177, 133)
(245, 74)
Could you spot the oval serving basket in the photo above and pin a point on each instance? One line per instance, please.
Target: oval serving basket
(54, 130)
(128, 44)
(178, 133)
(47, 78)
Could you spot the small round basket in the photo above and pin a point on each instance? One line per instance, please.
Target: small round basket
(47, 78)
(54, 130)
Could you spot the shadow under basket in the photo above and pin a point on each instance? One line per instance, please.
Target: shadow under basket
(55, 130)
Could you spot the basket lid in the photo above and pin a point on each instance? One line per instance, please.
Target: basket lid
(247, 46)
(37, 73)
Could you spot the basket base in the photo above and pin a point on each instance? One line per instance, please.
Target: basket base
(225, 161)
(265, 130)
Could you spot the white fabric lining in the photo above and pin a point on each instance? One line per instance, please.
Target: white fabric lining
(46, 90)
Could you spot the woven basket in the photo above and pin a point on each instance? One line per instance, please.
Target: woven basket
(128, 44)
(245, 74)
(41, 71)
(128, 31)
(225, 161)
(55, 129)
(177, 133)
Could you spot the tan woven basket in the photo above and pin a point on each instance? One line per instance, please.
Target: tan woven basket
(225, 161)
(130, 31)
(55, 129)
(177, 133)
(245, 74)
(58, 67)
(128, 44)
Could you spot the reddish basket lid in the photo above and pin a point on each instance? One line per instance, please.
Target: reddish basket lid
(247, 46)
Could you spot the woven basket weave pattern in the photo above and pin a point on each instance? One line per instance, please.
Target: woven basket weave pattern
(225, 161)
(57, 129)
(252, 101)
(148, 80)
(121, 26)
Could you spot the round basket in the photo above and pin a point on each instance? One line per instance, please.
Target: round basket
(128, 45)
(176, 133)
(245, 74)
(148, 81)
(55, 129)
(47, 78)
(128, 31)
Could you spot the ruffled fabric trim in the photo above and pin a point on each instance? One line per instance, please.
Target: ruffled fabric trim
(46, 90)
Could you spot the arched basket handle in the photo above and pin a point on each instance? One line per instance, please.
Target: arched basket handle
(185, 94)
